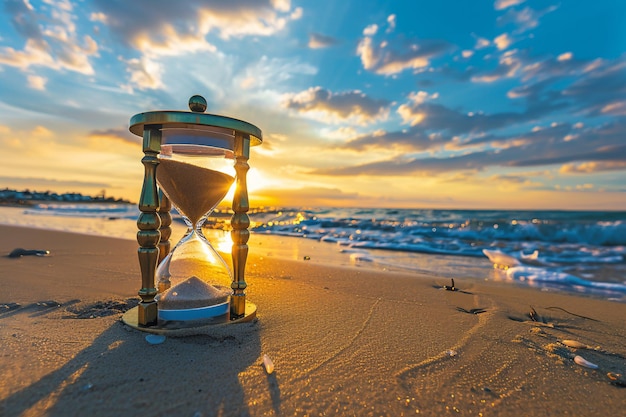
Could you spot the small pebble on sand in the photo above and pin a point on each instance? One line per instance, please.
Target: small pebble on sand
(155, 339)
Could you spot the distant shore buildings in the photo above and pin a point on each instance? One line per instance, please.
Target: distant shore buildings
(27, 197)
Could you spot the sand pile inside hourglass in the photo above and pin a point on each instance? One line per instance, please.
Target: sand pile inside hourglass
(195, 191)
(193, 293)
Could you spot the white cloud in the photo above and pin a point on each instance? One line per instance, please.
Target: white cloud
(172, 43)
(524, 19)
(503, 4)
(172, 30)
(241, 23)
(318, 41)
(503, 41)
(509, 65)
(527, 19)
(389, 59)
(565, 56)
(52, 41)
(410, 113)
(467, 53)
(282, 5)
(248, 82)
(593, 65)
(61, 12)
(370, 30)
(145, 73)
(324, 105)
(481, 43)
(296, 14)
(266, 72)
(98, 17)
(342, 133)
(592, 167)
(616, 108)
(409, 116)
(421, 96)
(34, 53)
(228, 19)
(392, 23)
(366, 51)
(36, 82)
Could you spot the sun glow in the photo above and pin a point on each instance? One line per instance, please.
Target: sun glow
(257, 181)
(257, 184)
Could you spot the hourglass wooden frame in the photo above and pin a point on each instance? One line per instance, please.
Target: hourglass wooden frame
(155, 219)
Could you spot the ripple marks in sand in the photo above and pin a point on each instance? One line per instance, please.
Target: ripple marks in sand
(475, 374)
(349, 342)
(497, 361)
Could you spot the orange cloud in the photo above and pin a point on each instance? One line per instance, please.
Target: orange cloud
(592, 167)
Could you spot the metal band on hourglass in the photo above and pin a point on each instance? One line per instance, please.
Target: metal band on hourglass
(155, 219)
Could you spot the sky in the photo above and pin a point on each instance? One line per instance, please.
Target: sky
(454, 104)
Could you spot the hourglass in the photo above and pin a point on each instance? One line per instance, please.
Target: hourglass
(191, 159)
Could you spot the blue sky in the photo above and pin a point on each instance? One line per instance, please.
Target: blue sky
(448, 104)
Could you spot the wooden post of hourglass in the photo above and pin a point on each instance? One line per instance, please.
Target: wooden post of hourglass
(148, 224)
(240, 223)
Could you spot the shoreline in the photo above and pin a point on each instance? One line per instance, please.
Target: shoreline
(317, 252)
(268, 245)
(344, 341)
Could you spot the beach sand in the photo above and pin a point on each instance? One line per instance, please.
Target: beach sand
(344, 341)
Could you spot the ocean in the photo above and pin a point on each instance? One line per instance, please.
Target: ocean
(571, 251)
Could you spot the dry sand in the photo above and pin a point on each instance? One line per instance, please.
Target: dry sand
(344, 341)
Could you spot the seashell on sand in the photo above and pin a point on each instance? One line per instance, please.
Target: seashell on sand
(584, 362)
(614, 376)
(574, 344)
(268, 364)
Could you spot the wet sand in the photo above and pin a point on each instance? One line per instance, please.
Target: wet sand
(343, 340)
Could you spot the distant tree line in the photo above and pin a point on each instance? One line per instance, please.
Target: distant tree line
(27, 197)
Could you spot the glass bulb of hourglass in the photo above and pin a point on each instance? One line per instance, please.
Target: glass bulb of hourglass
(193, 275)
